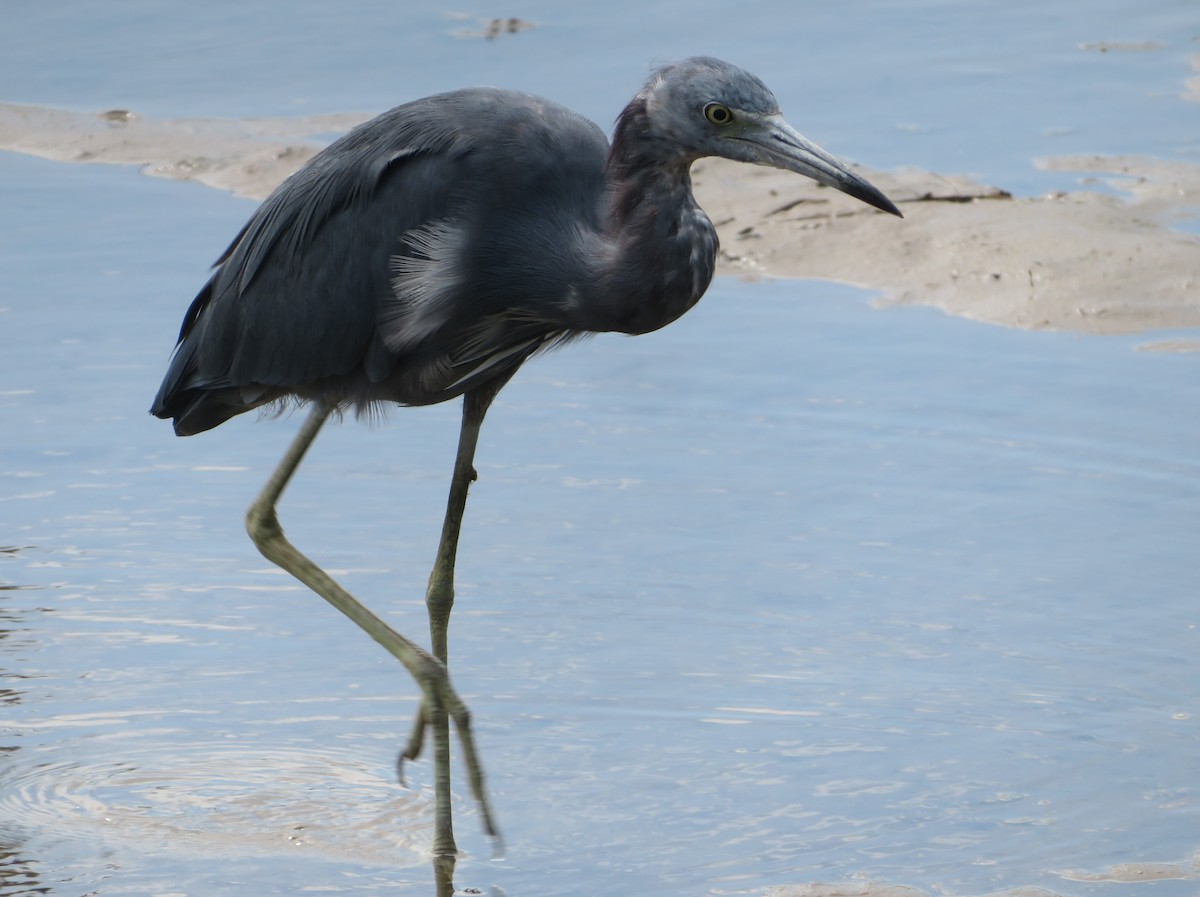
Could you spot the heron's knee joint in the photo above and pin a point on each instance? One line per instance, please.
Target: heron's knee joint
(262, 524)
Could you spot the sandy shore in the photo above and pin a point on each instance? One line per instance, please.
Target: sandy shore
(1125, 873)
(1100, 259)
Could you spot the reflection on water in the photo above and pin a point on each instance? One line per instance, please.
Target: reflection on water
(17, 875)
(7, 552)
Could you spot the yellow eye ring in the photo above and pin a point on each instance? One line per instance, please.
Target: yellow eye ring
(718, 114)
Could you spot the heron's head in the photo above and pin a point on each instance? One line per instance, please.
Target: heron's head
(706, 107)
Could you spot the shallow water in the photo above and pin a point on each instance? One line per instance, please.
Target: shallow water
(795, 590)
(979, 88)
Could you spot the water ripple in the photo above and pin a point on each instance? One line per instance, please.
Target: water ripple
(222, 800)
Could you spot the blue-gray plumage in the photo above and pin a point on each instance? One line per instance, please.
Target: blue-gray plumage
(436, 247)
(429, 252)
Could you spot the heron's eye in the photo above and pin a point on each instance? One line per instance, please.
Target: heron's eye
(718, 114)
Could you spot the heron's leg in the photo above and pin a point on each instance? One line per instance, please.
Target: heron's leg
(439, 596)
(430, 673)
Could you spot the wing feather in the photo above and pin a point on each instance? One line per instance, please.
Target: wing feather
(385, 250)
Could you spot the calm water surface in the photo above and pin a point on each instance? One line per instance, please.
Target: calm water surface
(793, 591)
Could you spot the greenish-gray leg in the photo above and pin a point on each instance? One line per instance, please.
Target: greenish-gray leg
(430, 672)
(439, 596)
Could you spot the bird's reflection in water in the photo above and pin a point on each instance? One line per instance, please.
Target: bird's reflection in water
(443, 880)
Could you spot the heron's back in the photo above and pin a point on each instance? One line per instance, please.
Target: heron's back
(424, 253)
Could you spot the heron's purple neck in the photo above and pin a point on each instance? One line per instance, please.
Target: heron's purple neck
(663, 247)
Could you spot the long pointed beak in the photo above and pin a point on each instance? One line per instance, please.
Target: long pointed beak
(781, 146)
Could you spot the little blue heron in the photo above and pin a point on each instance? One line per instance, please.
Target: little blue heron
(428, 253)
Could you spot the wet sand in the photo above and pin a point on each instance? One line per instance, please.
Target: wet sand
(1091, 261)
(1100, 259)
(1126, 873)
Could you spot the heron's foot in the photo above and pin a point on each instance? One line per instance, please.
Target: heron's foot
(440, 706)
(412, 751)
(416, 741)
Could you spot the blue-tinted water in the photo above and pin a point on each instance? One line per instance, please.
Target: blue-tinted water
(792, 591)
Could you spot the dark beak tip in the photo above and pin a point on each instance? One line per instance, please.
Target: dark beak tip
(866, 192)
(874, 197)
